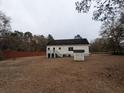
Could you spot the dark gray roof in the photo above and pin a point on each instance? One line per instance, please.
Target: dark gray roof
(69, 42)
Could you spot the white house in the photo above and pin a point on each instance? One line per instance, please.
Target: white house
(66, 47)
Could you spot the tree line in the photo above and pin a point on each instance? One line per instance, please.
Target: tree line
(111, 36)
(111, 15)
(19, 41)
(109, 12)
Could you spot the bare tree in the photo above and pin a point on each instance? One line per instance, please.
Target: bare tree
(114, 33)
(4, 24)
(104, 10)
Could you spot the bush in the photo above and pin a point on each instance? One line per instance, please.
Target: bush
(117, 53)
(1, 56)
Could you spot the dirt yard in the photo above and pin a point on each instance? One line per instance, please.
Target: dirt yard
(97, 74)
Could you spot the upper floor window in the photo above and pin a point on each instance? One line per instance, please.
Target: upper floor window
(48, 48)
(70, 49)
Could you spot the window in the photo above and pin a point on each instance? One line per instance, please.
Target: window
(48, 48)
(53, 49)
(70, 49)
(59, 48)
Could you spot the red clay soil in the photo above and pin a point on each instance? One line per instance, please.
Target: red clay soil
(14, 54)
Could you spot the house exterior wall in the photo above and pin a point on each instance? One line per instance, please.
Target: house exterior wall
(64, 49)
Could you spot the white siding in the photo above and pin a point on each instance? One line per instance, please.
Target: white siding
(64, 49)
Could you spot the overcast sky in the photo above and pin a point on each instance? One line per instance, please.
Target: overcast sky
(56, 17)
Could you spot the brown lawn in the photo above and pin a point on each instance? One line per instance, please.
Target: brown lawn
(97, 74)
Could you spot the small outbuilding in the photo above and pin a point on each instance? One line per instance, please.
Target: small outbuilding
(79, 55)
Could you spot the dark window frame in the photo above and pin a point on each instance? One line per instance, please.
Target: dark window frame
(54, 48)
(48, 48)
(70, 48)
(59, 48)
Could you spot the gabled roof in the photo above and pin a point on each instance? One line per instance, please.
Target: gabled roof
(69, 42)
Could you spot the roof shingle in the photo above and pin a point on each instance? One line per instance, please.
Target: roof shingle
(69, 42)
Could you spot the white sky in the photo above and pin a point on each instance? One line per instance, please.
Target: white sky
(56, 17)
